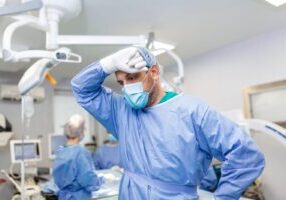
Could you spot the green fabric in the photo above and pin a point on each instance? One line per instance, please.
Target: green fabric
(167, 96)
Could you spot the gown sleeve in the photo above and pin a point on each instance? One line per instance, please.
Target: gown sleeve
(242, 160)
(98, 100)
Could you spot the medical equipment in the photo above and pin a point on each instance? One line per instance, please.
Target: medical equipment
(32, 191)
(29, 151)
(5, 130)
(5, 137)
(26, 153)
(52, 12)
(39, 70)
(34, 75)
(3, 123)
(25, 6)
(55, 141)
(48, 20)
(178, 80)
(27, 107)
(271, 138)
(158, 48)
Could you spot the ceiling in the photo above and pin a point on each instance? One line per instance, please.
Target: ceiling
(193, 26)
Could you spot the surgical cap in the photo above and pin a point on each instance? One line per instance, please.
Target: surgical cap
(149, 58)
(75, 126)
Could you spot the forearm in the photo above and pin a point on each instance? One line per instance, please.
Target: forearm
(99, 101)
(242, 161)
(242, 168)
(88, 82)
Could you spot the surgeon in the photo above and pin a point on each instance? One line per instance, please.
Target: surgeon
(167, 140)
(107, 156)
(73, 170)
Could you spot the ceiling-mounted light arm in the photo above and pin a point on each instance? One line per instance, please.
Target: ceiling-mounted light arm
(10, 55)
(158, 48)
(60, 55)
(178, 80)
(23, 21)
(150, 40)
(168, 85)
(101, 40)
(35, 75)
(40, 69)
(276, 3)
(20, 8)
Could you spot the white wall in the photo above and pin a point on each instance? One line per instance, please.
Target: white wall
(219, 76)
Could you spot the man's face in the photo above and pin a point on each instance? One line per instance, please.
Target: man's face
(146, 77)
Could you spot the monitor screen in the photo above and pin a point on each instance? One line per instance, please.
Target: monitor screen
(55, 142)
(28, 151)
(31, 151)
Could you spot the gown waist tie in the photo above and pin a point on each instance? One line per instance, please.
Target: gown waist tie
(164, 186)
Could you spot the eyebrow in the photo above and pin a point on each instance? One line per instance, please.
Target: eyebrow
(135, 75)
(129, 75)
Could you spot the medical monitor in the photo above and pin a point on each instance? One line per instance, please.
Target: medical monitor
(55, 141)
(27, 150)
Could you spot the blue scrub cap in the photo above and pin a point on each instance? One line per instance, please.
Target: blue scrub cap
(149, 58)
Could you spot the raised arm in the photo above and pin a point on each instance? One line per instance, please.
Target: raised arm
(99, 101)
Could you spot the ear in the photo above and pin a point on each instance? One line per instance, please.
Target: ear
(155, 71)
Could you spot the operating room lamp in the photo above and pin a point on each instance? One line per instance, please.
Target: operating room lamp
(52, 12)
(276, 3)
(158, 48)
(15, 8)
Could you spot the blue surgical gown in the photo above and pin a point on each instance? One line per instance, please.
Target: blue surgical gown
(210, 180)
(74, 173)
(172, 142)
(106, 157)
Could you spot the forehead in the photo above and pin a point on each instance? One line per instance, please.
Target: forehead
(120, 75)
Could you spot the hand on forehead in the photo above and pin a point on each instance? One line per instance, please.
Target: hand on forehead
(139, 59)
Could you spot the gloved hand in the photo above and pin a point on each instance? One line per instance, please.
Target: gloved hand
(128, 60)
(107, 178)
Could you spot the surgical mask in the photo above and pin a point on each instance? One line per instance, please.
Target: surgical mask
(135, 95)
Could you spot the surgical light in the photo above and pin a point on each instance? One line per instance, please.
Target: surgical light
(276, 3)
(160, 48)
